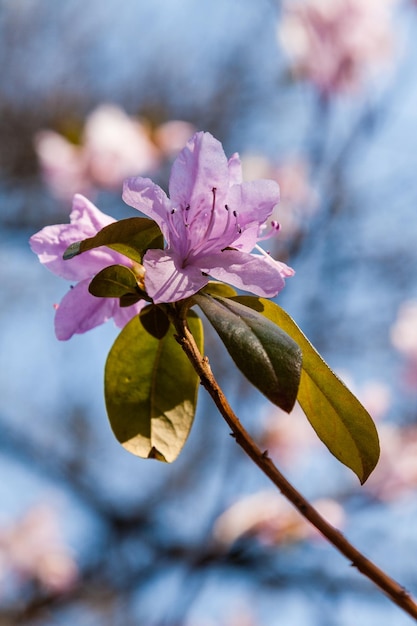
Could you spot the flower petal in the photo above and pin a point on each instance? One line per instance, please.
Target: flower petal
(250, 272)
(254, 202)
(165, 282)
(201, 166)
(123, 315)
(87, 216)
(51, 242)
(79, 311)
(235, 169)
(147, 197)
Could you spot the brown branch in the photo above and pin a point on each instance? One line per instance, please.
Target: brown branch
(391, 588)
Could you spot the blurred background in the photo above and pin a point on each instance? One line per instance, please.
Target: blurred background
(318, 95)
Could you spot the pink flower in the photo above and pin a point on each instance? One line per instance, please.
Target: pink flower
(116, 146)
(211, 222)
(113, 146)
(335, 43)
(33, 548)
(80, 311)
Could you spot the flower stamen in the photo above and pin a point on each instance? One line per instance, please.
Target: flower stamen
(274, 228)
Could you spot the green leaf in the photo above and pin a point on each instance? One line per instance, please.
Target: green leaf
(151, 391)
(266, 355)
(131, 237)
(214, 288)
(337, 416)
(127, 299)
(155, 321)
(114, 281)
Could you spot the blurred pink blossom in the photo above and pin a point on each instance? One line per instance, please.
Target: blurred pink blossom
(404, 339)
(33, 549)
(172, 136)
(272, 519)
(395, 475)
(376, 398)
(335, 43)
(117, 146)
(287, 436)
(113, 146)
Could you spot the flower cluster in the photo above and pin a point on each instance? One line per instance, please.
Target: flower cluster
(211, 222)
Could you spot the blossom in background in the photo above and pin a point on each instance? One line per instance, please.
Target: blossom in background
(404, 339)
(113, 146)
(395, 476)
(80, 311)
(170, 137)
(33, 549)
(335, 43)
(271, 519)
(211, 222)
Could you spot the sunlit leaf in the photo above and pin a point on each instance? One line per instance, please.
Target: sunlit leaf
(337, 416)
(114, 281)
(151, 391)
(266, 355)
(214, 288)
(131, 237)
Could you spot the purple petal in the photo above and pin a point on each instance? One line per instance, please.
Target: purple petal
(51, 242)
(165, 282)
(254, 203)
(87, 216)
(235, 169)
(150, 199)
(123, 315)
(79, 311)
(245, 271)
(199, 167)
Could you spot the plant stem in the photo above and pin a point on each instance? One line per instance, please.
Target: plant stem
(391, 588)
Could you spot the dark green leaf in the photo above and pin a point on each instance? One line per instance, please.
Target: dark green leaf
(151, 391)
(336, 415)
(131, 237)
(128, 299)
(154, 321)
(267, 356)
(113, 282)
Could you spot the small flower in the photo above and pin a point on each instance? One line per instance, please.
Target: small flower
(80, 311)
(211, 222)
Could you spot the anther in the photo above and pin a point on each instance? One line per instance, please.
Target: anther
(214, 198)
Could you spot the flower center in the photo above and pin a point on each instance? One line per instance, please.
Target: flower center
(200, 230)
